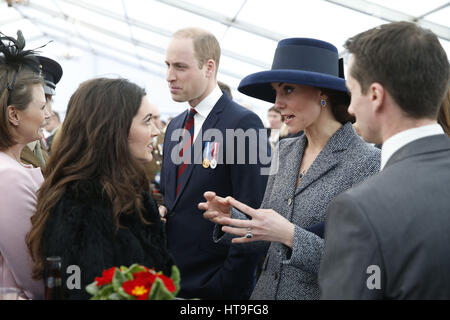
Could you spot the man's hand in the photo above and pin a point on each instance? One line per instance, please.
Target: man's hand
(163, 212)
(216, 207)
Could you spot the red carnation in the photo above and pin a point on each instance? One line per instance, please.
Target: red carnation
(106, 277)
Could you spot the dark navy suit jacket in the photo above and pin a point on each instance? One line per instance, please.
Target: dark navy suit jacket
(212, 270)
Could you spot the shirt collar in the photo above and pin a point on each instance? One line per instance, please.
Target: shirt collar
(32, 145)
(205, 106)
(394, 143)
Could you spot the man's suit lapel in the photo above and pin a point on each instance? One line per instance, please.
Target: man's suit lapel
(209, 123)
(328, 158)
(429, 144)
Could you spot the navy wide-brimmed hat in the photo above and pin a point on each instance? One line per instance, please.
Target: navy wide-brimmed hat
(52, 73)
(304, 61)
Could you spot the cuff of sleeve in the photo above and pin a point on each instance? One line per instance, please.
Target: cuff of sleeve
(306, 251)
(219, 235)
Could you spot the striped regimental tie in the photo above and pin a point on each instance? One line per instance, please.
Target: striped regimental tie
(188, 139)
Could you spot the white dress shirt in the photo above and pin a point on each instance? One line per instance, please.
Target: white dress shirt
(394, 143)
(204, 108)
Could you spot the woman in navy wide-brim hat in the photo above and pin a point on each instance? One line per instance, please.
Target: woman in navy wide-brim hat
(306, 84)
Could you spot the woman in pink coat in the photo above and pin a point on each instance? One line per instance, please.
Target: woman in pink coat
(22, 114)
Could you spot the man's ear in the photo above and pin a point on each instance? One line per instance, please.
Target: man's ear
(377, 95)
(13, 115)
(210, 68)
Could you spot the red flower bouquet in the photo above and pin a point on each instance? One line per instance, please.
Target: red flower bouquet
(135, 283)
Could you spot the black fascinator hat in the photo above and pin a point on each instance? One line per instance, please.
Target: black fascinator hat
(12, 53)
(14, 59)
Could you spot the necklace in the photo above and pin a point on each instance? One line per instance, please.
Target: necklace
(301, 175)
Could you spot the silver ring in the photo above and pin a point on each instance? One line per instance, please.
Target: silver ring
(249, 234)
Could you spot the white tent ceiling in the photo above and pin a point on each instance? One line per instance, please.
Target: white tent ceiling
(128, 37)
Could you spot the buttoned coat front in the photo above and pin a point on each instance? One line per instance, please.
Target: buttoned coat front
(292, 274)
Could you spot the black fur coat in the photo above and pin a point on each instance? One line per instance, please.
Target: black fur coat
(82, 232)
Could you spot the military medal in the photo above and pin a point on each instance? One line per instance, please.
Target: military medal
(213, 163)
(206, 161)
(214, 155)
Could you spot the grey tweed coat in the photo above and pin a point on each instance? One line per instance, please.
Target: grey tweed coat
(292, 274)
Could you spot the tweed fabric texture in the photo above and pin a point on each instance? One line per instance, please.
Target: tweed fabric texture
(346, 160)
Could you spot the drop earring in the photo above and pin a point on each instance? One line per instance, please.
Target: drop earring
(323, 102)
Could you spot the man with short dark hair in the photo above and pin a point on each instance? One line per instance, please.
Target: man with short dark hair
(388, 238)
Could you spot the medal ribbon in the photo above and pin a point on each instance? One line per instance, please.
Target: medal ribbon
(206, 152)
(215, 151)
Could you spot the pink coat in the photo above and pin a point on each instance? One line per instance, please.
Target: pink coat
(18, 187)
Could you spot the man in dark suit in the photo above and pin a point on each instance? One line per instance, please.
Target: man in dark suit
(208, 270)
(389, 237)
